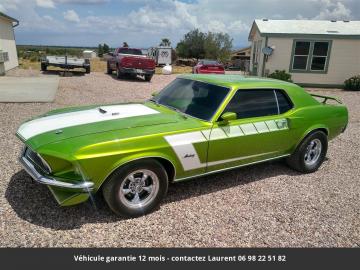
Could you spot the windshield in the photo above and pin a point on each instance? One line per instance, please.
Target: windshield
(130, 51)
(197, 99)
(210, 62)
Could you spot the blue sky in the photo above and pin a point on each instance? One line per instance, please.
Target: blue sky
(142, 23)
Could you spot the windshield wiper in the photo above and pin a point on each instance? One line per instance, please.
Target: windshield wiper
(170, 107)
(177, 110)
(153, 100)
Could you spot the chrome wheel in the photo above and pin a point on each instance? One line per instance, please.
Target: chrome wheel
(139, 188)
(313, 152)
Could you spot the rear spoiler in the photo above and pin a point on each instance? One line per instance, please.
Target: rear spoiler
(325, 98)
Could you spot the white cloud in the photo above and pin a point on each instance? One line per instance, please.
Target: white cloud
(333, 11)
(45, 3)
(82, 2)
(71, 16)
(148, 21)
(48, 18)
(9, 5)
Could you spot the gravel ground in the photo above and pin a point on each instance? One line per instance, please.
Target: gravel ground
(266, 205)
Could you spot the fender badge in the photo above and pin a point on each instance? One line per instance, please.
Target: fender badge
(59, 131)
(189, 156)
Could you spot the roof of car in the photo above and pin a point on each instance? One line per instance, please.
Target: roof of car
(236, 81)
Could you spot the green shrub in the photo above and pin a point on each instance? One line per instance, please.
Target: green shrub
(34, 58)
(281, 75)
(352, 83)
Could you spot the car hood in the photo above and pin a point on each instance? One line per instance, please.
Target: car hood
(69, 123)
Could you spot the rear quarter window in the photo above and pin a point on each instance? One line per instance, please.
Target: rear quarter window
(284, 101)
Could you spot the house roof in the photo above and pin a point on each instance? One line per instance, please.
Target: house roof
(306, 27)
(3, 15)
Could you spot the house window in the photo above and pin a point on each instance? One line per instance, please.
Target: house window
(301, 55)
(310, 56)
(319, 56)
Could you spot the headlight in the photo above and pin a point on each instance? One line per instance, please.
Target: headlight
(37, 160)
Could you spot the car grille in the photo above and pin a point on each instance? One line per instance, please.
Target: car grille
(36, 159)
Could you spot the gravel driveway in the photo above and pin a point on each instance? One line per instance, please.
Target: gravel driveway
(267, 205)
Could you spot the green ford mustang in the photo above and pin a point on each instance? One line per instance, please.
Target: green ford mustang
(197, 125)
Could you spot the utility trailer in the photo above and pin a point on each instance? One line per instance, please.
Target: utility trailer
(65, 62)
(161, 55)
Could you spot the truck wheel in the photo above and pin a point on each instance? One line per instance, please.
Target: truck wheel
(148, 78)
(109, 70)
(310, 154)
(119, 74)
(43, 67)
(87, 70)
(137, 188)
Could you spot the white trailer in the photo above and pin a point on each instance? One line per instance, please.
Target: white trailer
(161, 55)
(65, 62)
(88, 54)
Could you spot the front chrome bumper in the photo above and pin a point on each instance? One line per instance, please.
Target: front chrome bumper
(38, 177)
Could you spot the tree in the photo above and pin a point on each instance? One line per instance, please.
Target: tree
(196, 44)
(100, 50)
(192, 45)
(218, 46)
(125, 45)
(165, 42)
(106, 48)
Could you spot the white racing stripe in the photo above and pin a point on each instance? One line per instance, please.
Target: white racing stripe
(63, 120)
(182, 144)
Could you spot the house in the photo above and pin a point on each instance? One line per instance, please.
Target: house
(315, 53)
(240, 59)
(8, 53)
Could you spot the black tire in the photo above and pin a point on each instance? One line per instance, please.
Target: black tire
(297, 160)
(87, 70)
(43, 67)
(114, 185)
(109, 70)
(119, 74)
(148, 77)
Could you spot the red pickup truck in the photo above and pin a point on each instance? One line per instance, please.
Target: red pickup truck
(129, 61)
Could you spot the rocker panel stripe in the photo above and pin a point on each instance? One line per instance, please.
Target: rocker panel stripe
(183, 144)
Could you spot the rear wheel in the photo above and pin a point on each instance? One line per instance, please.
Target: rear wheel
(137, 188)
(87, 70)
(148, 77)
(310, 154)
(43, 67)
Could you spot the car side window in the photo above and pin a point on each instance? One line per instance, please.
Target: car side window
(258, 102)
(253, 103)
(283, 101)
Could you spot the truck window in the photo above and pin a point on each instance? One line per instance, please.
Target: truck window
(130, 51)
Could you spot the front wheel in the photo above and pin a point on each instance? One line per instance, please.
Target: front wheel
(148, 78)
(310, 154)
(137, 188)
(119, 74)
